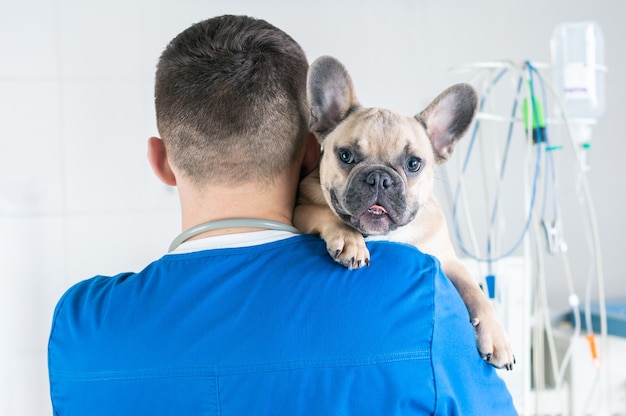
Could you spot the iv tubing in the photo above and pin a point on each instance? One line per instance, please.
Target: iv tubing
(517, 244)
(595, 237)
(551, 178)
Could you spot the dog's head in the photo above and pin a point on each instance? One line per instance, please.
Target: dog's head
(377, 165)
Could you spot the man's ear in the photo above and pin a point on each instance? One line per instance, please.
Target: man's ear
(157, 156)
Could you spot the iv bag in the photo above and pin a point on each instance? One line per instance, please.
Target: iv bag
(578, 65)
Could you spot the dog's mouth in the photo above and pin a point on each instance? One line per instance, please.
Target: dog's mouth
(376, 211)
(375, 220)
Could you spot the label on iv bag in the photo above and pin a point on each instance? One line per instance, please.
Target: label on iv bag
(576, 80)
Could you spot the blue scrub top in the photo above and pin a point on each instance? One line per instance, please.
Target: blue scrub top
(271, 329)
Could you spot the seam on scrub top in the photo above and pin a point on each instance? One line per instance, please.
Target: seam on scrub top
(100, 376)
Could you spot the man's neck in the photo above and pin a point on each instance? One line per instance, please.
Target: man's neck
(251, 200)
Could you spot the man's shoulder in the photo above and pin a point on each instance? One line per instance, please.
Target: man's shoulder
(402, 256)
(386, 247)
(92, 288)
(301, 254)
(82, 301)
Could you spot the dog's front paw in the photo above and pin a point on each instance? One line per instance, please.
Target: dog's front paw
(493, 343)
(347, 247)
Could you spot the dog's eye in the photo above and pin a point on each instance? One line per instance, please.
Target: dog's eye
(346, 156)
(413, 164)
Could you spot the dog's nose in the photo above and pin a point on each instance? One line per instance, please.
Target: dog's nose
(380, 179)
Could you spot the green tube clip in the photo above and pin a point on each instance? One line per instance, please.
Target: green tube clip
(534, 118)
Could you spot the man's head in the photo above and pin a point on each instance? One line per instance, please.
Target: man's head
(231, 100)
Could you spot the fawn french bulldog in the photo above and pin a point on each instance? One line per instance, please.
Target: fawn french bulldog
(375, 179)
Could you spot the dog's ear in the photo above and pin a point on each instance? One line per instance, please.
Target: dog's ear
(448, 117)
(330, 94)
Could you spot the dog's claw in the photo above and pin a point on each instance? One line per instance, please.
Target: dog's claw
(509, 366)
(475, 322)
(347, 247)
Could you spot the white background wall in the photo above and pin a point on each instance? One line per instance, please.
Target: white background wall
(77, 197)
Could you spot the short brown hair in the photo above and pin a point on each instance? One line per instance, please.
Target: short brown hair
(230, 96)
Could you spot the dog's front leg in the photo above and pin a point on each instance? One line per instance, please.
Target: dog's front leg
(344, 243)
(312, 215)
(492, 341)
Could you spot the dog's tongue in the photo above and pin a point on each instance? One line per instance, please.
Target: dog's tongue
(377, 210)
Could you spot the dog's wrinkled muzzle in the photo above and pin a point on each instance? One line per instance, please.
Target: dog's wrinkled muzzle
(374, 201)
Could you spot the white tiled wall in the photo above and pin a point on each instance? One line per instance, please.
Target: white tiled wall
(77, 196)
